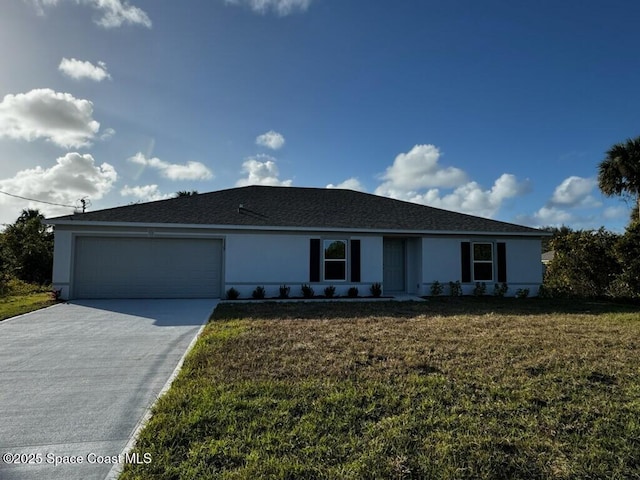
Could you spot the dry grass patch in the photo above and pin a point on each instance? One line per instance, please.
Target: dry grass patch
(445, 389)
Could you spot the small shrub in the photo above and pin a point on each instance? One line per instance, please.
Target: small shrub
(480, 289)
(352, 292)
(500, 289)
(436, 289)
(258, 293)
(522, 293)
(455, 289)
(307, 291)
(284, 291)
(376, 289)
(55, 294)
(329, 291)
(232, 294)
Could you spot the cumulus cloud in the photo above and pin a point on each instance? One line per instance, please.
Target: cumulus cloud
(78, 69)
(271, 139)
(419, 168)
(261, 170)
(471, 198)
(574, 191)
(280, 7)
(173, 171)
(146, 193)
(73, 177)
(43, 113)
(349, 184)
(113, 13)
(418, 177)
(550, 215)
(572, 195)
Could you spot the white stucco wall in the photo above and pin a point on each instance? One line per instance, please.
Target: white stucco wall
(273, 259)
(523, 261)
(62, 261)
(370, 260)
(414, 266)
(440, 259)
(441, 262)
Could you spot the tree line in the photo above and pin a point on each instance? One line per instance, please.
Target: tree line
(597, 263)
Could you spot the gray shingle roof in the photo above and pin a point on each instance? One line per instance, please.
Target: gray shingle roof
(296, 207)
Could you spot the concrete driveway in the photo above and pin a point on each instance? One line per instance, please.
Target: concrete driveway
(77, 379)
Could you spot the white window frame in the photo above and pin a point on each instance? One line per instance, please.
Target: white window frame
(474, 261)
(325, 243)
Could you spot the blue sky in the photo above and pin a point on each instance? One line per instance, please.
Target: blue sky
(494, 108)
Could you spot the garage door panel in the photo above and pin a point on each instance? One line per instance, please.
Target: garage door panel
(119, 267)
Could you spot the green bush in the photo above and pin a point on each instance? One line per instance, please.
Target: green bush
(258, 293)
(480, 289)
(436, 289)
(284, 291)
(455, 289)
(232, 294)
(522, 293)
(330, 291)
(352, 292)
(376, 289)
(307, 291)
(500, 289)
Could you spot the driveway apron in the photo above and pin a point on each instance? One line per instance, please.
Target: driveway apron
(77, 378)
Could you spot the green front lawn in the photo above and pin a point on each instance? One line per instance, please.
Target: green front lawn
(449, 389)
(13, 305)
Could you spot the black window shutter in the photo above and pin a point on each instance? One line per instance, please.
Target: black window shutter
(502, 262)
(355, 260)
(465, 257)
(314, 260)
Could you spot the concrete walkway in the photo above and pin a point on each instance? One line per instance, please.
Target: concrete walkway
(76, 380)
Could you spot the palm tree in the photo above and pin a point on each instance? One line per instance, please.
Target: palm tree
(186, 193)
(619, 172)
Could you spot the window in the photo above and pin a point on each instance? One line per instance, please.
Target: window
(335, 260)
(482, 262)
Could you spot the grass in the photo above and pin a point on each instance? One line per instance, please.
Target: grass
(449, 389)
(20, 297)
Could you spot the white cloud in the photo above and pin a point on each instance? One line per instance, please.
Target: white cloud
(73, 177)
(281, 7)
(107, 134)
(114, 13)
(418, 169)
(43, 113)
(613, 213)
(553, 216)
(575, 191)
(146, 193)
(471, 198)
(261, 170)
(173, 171)
(78, 69)
(271, 139)
(349, 184)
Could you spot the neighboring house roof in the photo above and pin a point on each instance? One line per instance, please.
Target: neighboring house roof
(548, 256)
(295, 207)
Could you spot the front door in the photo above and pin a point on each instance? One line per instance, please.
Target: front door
(393, 265)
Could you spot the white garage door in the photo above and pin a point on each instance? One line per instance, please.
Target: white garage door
(118, 267)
